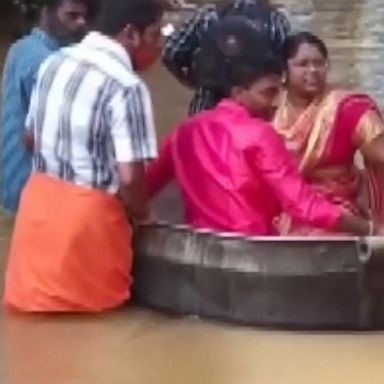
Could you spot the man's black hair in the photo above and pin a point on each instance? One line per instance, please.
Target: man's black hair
(233, 54)
(114, 15)
(92, 5)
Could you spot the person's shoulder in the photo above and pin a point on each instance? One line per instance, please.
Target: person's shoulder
(342, 97)
(198, 121)
(263, 125)
(259, 133)
(133, 82)
(266, 129)
(29, 46)
(26, 55)
(204, 15)
(201, 18)
(21, 43)
(112, 67)
(130, 87)
(18, 50)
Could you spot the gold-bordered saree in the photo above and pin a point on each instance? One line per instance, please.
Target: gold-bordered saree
(324, 140)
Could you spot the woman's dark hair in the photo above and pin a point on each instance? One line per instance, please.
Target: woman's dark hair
(114, 15)
(232, 53)
(294, 42)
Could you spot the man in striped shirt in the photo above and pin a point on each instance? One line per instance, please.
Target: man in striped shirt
(90, 126)
(183, 44)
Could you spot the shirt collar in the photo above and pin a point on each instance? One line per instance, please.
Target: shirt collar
(234, 107)
(105, 44)
(47, 40)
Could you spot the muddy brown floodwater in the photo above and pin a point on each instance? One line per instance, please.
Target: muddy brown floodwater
(139, 346)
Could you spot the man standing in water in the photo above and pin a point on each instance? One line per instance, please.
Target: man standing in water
(182, 46)
(62, 22)
(90, 125)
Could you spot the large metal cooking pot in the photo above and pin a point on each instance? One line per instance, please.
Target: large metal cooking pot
(291, 282)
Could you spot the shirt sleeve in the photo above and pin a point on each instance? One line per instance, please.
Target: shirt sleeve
(271, 159)
(161, 171)
(181, 46)
(132, 124)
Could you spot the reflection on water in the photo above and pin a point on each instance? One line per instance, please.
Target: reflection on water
(142, 347)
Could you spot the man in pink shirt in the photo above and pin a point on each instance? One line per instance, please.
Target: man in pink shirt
(231, 167)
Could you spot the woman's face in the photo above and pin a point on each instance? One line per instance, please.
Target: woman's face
(307, 71)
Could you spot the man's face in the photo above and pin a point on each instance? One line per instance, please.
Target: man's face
(68, 22)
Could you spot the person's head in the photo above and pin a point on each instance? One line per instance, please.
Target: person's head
(307, 61)
(267, 20)
(66, 20)
(136, 25)
(239, 64)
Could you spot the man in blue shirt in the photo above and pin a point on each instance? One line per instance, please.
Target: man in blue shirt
(61, 22)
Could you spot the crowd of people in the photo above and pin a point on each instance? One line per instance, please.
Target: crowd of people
(268, 147)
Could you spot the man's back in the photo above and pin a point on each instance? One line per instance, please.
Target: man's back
(86, 95)
(221, 189)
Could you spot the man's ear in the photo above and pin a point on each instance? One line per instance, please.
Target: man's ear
(236, 92)
(130, 36)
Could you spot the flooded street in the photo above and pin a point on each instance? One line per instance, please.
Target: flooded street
(142, 347)
(145, 348)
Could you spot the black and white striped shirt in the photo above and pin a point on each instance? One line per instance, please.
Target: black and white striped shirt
(89, 111)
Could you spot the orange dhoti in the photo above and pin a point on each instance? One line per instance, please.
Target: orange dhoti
(70, 251)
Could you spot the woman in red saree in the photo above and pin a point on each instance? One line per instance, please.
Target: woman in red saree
(323, 128)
